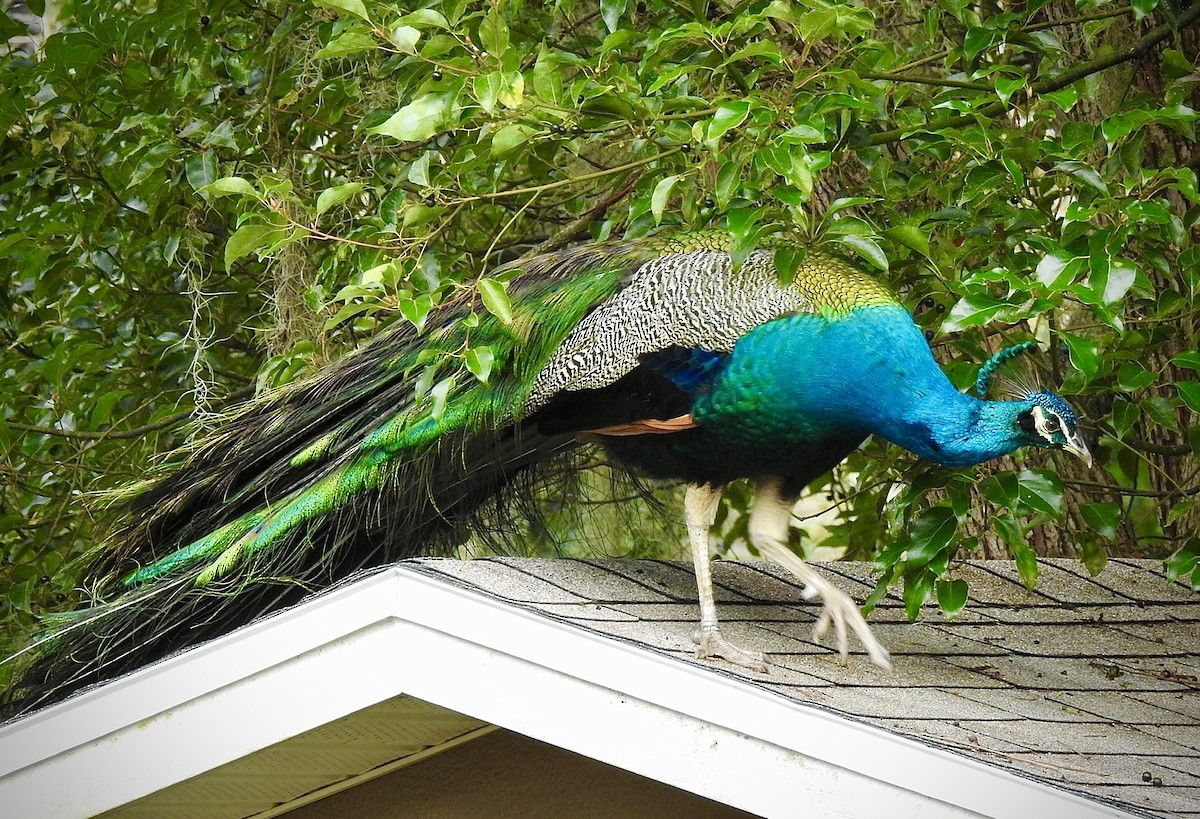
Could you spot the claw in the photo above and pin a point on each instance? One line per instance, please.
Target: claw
(711, 644)
(841, 612)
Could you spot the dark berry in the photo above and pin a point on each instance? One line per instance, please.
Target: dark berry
(1146, 776)
(576, 130)
(430, 201)
(927, 303)
(686, 147)
(709, 203)
(437, 75)
(730, 138)
(205, 21)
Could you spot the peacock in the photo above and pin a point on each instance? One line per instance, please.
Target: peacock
(678, 363)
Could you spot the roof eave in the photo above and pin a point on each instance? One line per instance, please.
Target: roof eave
(402, 632)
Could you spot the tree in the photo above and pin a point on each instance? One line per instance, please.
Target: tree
(205, 201)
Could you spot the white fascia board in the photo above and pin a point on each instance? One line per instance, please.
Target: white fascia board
(402, 632)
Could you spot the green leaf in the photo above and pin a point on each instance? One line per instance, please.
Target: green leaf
(911, 237)
(1084, 173)
(493, 34)
(1007, 86)
(971, 311)
(229, 186)
(1142, 7)
(1104, 518)
(611, 12)
(918, 586)
(418, 171)
(1161, 410)
(405, 38)
(1189, 391)
(512, 89)
(417, 121)
(1041, 491)
(352, 42)
(1002, 489)
(354, 7)
(510, 137)
(1185, 561)
(423, 19)
(881, 587)
(416, 310)
(1057, 270)
(1065, 98)
(1027, 564)
(1085, 355)
(504, 87)
(495, 299)
(977, 40)
(439, 394)
(869, 249)
(247, 239)
(931, 534)
(1120, 279)
(19, 595)
(728, 116)
(662, 193)
(1132, 376)
(1190, 360)
(787, 262)
(102, 411)
(201, 169)
(336, 195)
(952, 596)
(480, 361)
(1094, 556)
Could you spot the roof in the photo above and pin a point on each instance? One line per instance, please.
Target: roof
(1048, 702)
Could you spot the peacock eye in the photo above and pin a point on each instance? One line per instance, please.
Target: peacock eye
(1052, 423)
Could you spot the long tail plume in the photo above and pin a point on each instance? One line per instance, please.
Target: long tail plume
(308, 485)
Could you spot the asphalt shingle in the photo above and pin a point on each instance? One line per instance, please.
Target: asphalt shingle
(1085, 683)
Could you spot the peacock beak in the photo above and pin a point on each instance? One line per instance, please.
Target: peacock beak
(1076, 446)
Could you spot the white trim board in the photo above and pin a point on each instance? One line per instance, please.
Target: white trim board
(401, 632)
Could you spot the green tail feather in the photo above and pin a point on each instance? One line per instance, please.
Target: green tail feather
(348, 470)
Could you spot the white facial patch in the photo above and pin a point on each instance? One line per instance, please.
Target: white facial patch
(1046, 423)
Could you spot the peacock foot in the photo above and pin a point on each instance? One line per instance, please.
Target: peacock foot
(842, 613)
(710, 645)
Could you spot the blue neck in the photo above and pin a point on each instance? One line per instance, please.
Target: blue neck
(871, 371)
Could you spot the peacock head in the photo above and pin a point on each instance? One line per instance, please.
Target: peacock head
(1044, 419)
(1048, 421)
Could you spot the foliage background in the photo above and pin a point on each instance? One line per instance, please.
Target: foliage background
(206, 199)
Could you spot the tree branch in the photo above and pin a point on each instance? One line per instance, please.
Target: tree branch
(994, 109)
(125, 434)
(912, 78)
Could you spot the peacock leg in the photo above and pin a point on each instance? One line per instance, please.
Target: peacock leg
(769, 523)
(700, 508)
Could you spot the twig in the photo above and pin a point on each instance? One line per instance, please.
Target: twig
(1079, 72)
(572, 181)
(126, 434)
(900, 77)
